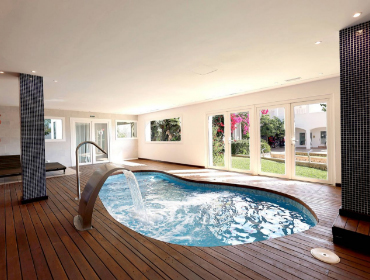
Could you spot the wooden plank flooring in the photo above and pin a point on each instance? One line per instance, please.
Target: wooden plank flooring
(39, 241)
(358, 226)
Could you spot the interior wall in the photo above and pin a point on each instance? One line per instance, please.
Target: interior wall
(10, 131)
(192, 148)
(61, 151)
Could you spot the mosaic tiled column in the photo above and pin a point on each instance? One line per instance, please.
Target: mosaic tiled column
(355, 120)
(32, 138)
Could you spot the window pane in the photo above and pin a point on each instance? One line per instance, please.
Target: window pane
(273, 140)
(126, 129)
(53, 129)
(216, 136)
(82, 135)
(310, 148)
(165, 130)
(240, 156)
(101, 138)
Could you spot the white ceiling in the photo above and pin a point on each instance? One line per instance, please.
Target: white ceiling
(134, 57)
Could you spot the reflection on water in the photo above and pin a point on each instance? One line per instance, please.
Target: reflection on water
(202, 216)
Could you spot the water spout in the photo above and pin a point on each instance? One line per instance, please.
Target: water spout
(137, 198)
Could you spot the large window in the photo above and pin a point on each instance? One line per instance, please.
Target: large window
(126, 129)
(165, 130)
(54, 129)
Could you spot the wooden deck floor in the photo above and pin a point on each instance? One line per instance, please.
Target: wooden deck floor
(38, 240)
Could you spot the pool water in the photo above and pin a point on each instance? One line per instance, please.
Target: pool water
(197, 214)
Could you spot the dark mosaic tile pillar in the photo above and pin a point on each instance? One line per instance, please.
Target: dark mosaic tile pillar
(32, 137)
(355, 119)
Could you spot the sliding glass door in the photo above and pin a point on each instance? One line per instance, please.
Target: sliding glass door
(89, 130)
(310, 140)
(288, 141)
(216, 141)
(101, 138)
(272, 155)
(239, 141)
(83, 133)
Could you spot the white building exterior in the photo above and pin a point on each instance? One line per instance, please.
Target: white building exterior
(310, 126)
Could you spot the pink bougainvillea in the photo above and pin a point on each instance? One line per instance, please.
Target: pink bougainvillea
(264, 112)
(243, 120)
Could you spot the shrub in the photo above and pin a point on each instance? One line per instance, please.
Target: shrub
(240, 147)
(218, 147)
(265, 147)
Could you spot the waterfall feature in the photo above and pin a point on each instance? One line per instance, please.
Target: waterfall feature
(137, 198)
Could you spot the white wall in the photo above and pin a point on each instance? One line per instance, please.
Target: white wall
(61, 151)
(310, 119)
(192, 148)
(10, 131)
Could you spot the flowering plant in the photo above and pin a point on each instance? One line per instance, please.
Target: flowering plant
(243, 119)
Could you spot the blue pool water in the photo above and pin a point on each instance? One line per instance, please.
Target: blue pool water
(196, 214)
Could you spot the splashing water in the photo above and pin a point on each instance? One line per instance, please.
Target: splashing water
(194, 214)
(137, 198)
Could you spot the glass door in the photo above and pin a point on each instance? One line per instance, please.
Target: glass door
(216, 141)
(272, 159)
(310, 141)
(101, 138)
(239, 141)
(89, 130)
(83, 133)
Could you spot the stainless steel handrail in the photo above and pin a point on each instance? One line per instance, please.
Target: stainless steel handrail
(77, 167)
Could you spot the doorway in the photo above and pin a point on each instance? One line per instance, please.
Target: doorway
(98, 131)
(310, 127)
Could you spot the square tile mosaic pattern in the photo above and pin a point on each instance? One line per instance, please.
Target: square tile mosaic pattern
(355, 117)
(32, 136)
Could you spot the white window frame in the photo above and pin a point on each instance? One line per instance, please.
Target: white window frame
(126, 138)
(63, 129)
(147, 131)
(289, 137)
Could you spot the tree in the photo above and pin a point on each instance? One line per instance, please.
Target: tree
(218, 144)
(166, 130)
(47, 126)
(272, 127)
(323, 107)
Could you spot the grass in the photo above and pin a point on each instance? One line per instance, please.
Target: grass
(241, 163)
(269, 166)
(308, 172)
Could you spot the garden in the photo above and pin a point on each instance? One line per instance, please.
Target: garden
(272, 135)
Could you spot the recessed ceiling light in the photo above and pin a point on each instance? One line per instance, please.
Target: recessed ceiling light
(55, 81)
(318, 42)
(33, 71)
(357, 14)
(1, 72)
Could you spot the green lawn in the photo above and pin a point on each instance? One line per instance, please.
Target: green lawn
(270, 166)
(241, 163)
